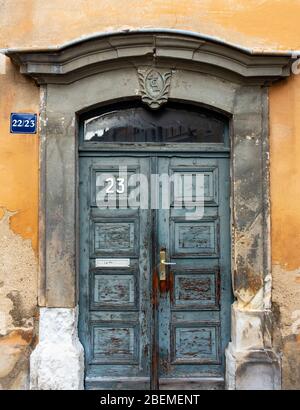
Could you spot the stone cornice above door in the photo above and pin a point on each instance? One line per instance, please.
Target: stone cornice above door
(86, 57)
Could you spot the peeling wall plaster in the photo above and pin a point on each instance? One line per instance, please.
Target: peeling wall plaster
(18, 300)
(286, 297)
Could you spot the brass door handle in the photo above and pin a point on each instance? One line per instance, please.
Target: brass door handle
(163, 264)
(168, 263)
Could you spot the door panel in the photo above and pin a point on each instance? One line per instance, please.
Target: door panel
(115, 303)
(194, 312)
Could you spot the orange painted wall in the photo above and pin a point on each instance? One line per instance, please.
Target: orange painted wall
(285, 172)
(253, 23)
(256, 24)
(18, 155)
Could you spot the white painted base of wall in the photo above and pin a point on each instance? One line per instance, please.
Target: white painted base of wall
(57, 363)
(252, 370)
(251, 363)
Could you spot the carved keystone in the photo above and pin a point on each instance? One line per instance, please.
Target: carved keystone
(154, 86)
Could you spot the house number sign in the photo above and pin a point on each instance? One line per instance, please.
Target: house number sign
(23, 123)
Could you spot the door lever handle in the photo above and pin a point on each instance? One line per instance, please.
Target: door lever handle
(162, 265)
(168, 263)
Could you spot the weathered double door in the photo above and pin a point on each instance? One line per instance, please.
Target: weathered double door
(154, 272)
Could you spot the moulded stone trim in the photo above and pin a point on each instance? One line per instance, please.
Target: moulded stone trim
(69, 63)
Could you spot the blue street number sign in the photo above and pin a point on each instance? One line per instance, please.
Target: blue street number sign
(23, 123)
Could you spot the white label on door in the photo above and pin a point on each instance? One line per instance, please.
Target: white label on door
(112, 263)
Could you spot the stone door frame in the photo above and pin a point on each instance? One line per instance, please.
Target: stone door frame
(104, 69)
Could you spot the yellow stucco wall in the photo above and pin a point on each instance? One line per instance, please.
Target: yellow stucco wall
(256, 24)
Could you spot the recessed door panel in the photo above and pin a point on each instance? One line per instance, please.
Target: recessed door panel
(195, 289)
(195, 343)
(112, 289)
(198, 238)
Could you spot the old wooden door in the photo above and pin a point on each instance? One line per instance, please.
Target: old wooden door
(194, 303)
(154, 278)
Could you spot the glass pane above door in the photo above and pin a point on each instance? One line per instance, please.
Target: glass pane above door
(168, 125)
